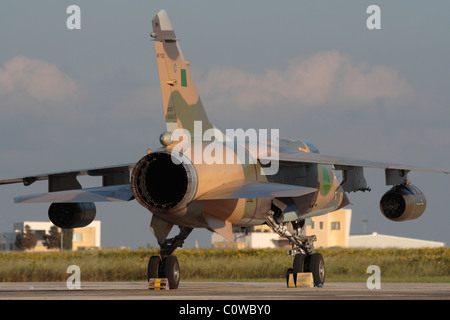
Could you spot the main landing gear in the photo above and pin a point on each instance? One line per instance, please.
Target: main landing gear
(313, 263)
(305, 259)
(166, 265)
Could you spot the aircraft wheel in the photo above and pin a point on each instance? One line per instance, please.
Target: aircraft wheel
(153, 267)
(299, 262)
(172, 271)
(315, 264)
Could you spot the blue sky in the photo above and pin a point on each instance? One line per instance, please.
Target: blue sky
(85, 98)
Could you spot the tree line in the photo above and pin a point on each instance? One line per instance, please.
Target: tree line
(27, 240)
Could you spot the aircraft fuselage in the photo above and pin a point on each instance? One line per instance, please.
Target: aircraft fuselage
(194, 211)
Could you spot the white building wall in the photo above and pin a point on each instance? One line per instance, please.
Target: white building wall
(376, 240)
(98, 227)
(261, 240)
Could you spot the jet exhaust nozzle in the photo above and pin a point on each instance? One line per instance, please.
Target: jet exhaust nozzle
(163, 182)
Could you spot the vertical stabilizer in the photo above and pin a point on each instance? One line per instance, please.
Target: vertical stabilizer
(182, 104)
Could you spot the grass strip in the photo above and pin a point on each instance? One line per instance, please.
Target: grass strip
(346, 265)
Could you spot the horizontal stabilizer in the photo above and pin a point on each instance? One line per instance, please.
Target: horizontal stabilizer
(255, 190)
(98, 194)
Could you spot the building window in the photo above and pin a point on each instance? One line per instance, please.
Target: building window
(321, 225)
(312, 225)
(77, 237)
(336, 225)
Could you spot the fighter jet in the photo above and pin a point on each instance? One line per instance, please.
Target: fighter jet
(202, 177)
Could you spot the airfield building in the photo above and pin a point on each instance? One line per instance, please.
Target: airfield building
(83, 238)
(332, 230)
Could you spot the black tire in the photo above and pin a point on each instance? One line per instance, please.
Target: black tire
(153, 266)
(172, 271)
(298, 265)
(316, 265)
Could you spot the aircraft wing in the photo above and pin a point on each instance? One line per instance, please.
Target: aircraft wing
(109, 171)
(352, 168)
(64, 186)
(343, 162)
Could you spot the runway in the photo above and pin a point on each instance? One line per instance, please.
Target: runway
(237, 291)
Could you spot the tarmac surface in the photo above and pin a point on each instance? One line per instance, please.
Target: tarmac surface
(222, 291)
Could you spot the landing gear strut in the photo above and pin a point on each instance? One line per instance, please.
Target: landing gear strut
(166, 265)
(305, 259)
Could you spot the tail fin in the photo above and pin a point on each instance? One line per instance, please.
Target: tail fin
(182, 104)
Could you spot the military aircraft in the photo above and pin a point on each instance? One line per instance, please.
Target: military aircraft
(203, 178)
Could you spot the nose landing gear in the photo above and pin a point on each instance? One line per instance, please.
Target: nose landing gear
(305, 259)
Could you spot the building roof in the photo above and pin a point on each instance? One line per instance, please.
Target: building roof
(376, 240)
